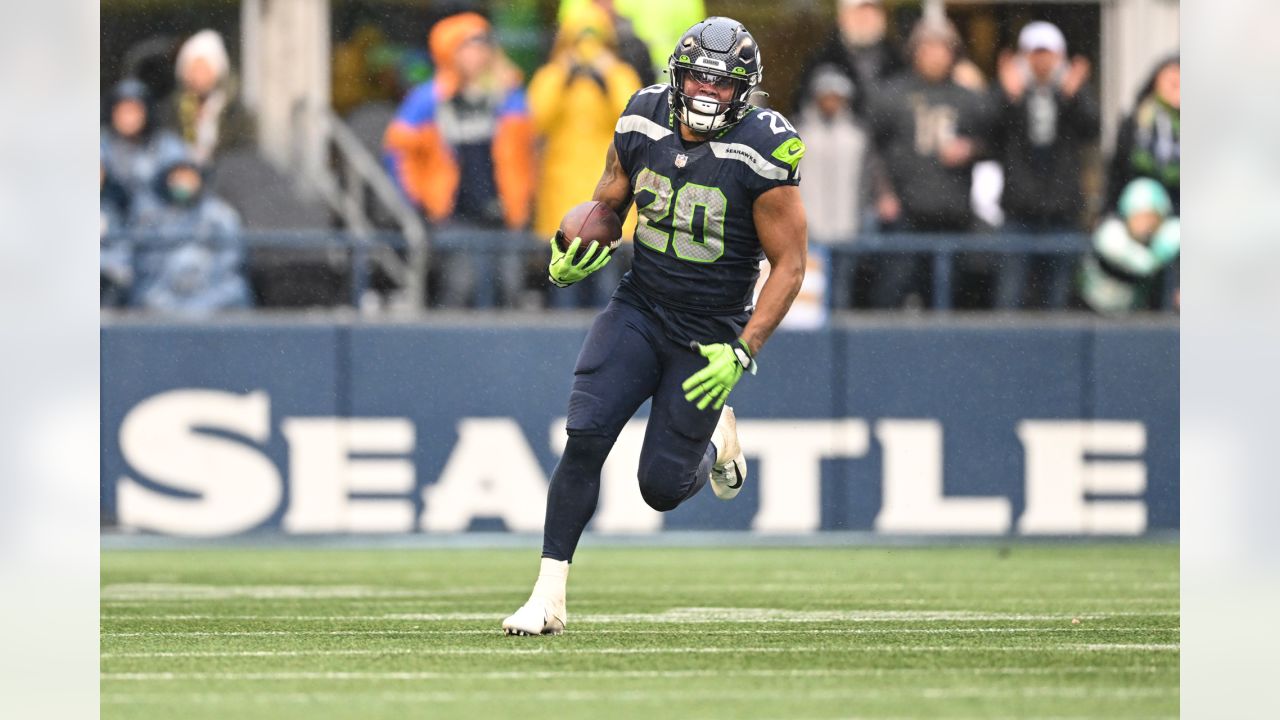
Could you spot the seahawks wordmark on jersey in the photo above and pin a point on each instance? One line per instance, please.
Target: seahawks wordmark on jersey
(696, 248)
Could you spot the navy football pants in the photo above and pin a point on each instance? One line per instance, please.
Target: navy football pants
(625, 360)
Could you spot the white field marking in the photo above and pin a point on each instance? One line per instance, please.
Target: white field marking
(766, 631)
(762, 631)
(773, 649)
(658, 694)
(442, 599)
(642, 631)
(585, 619)
(806, 585)
(792, 673)
(639, 631)
(1128, 646)
(181, 591)
(401, 651)
(799, 584)
(186, 591)
(698, 615)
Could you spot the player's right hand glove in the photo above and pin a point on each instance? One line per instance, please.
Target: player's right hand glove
(725, 365)
(564, 272)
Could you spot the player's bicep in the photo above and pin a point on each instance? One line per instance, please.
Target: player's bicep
(614, 188)
(781, 226)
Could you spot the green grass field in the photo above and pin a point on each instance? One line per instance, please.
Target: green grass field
(975, 632)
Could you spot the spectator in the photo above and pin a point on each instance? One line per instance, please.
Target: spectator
(631, 49)
(203, 107)
(191, 258)
(576, 99)
(1148, 143)
(1047, 115)
(133, 148)
(857, 48)
(116, 272)
(836, 187)
(461, 148)
(658, 23)
(929, 132)
(1130, 250)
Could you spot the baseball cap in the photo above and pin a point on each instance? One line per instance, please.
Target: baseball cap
(933, 28)
(1144, 194)
(1041, 35)
(830, 80)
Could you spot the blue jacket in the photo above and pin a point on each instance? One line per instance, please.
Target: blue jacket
(190, 258)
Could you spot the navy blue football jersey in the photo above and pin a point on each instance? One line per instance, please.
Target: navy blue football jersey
(697, 254)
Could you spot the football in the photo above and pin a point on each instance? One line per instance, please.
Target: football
(591, 221)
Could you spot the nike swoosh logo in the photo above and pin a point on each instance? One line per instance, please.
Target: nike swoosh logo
(793, 151)
(738, 481)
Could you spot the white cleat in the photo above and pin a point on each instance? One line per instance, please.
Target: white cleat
(536, 617)
(730, 469)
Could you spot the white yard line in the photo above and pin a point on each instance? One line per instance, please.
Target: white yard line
(682, 633)
(182, 591)
(768, 649)
(663, 674)
(659, 694)
(419, 632)
(593, 619)
(402, 651)
(690, 615)
(185, 591)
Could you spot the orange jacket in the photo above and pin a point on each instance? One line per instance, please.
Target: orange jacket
(421, 158)
(422, 161)
(575, 114)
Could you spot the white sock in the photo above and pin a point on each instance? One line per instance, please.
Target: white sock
(552, 577)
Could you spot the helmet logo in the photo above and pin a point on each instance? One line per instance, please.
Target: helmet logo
(684, 58)
(739, 70)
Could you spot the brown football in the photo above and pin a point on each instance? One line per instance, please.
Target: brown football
(591, 220)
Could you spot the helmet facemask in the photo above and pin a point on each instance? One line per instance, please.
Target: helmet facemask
(704, 112)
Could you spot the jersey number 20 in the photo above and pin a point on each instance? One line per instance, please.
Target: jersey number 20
(681, 217)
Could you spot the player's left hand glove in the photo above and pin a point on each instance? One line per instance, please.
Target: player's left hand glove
(725, 364)
(563, 271)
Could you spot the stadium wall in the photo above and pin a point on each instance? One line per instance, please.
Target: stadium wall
(949, 428)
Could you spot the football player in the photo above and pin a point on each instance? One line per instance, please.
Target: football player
(715, 183)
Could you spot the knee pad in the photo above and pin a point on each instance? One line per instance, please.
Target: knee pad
(659, 500)
(584, 455)
(662, 487)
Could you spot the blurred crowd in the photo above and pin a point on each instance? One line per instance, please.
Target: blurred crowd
(168, 242)
(915, 139)
(903, 139)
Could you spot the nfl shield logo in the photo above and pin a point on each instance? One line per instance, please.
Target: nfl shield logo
(681, 159)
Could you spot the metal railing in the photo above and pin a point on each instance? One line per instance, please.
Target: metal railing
(352, 183)
(942, 250)
(358, 253)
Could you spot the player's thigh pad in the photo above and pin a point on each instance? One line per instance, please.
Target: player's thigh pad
(616, 371)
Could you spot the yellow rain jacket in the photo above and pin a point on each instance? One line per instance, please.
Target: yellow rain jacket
(574, 112)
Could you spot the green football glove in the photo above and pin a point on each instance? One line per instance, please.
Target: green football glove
(564, 272)
(725, 364)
